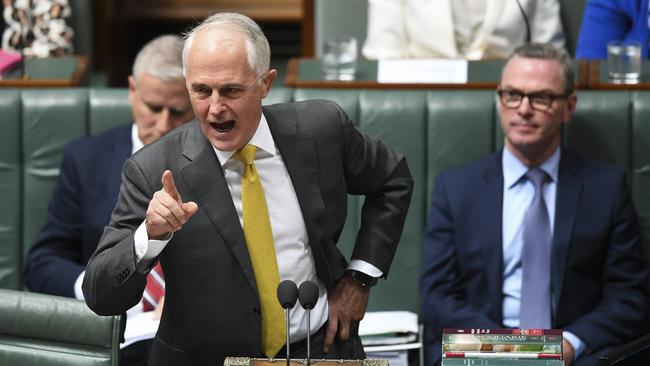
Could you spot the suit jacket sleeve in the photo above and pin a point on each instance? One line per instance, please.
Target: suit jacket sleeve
(380, 174)
(442, 287)
(114, 281)
(55, 261)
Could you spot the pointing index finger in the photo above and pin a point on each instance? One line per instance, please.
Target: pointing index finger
(169, 186)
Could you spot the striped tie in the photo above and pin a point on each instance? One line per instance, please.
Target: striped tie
(155, 288)
(259, 240)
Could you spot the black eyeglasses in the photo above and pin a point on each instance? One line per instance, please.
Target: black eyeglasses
(540, 101)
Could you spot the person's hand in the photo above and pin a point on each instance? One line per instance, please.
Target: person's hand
(347, 304)
(157, 312)
(568, 353)
(166, 212)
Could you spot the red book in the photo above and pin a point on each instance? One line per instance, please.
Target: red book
(9, 61)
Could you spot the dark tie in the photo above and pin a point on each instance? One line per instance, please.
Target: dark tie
(536, 259)
(155, 288)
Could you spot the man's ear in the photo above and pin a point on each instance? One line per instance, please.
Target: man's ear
(571, 103)
(268, 81)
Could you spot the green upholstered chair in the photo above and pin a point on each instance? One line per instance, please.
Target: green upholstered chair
(38, 329)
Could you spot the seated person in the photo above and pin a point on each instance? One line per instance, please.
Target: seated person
(470, 29)
(535, 236)
(607, 20)
(89, 180)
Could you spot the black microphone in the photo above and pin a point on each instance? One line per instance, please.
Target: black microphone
(287, 296)
(308, 296)
(523, 14)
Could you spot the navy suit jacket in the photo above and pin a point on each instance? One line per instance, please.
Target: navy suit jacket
(598, 272)
(81, 205)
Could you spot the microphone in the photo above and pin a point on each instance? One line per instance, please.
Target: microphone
(287, 296)
(308, 296)
(523, 14)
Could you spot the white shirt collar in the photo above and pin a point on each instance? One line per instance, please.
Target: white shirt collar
(262, 138)
(514, 169)
(136, 143)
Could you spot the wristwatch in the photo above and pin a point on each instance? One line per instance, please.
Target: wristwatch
(363, 279)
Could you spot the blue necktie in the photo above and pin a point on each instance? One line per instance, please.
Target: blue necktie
(536, 259)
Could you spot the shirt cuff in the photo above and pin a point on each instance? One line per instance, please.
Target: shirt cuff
(577, 343)
(78, 293)
(365, 267)
(146, 249)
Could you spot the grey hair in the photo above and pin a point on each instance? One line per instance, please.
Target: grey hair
(160, 58)
(257, 46)
(545, 51)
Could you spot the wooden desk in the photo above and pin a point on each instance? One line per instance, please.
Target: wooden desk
(51, 72)
(307, 73)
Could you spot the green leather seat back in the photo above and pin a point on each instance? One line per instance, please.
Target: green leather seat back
(51, 118)
(109, 107)
(398, 118)
(10, 189)
(601, 126)
(38, 329)
(461, 127)
(278, 94)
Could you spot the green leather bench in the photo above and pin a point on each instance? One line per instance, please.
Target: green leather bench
(38, 329)
(435, 129)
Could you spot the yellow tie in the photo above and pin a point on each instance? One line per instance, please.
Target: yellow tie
(259, 240)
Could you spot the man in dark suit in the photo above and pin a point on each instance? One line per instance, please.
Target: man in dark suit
(183, 203)
(89, 179)
(477, 267)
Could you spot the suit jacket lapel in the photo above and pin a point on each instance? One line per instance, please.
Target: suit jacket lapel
(491, 209)
(205, 178)
(569, 187)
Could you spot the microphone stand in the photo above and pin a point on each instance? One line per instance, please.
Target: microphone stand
(308, 336)
(286, 311)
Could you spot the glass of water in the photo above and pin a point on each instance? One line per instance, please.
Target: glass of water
(340, 58)
(624, 62)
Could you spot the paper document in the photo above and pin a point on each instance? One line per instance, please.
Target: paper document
(139, 326)
(434, 71)
(387, 322)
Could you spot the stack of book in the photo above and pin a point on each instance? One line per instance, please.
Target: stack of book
(503, 347)
(391, 335)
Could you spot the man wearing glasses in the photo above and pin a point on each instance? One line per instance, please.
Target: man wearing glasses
(535, 236)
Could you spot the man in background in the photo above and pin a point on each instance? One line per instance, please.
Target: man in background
(89, 179)
(535, 236)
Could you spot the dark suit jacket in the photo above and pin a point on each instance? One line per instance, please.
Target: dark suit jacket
(598, 274)
(81, 205)
(212, 307)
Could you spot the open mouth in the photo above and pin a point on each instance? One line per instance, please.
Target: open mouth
(223, 127)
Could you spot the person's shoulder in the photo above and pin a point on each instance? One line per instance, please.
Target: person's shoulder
(119, 134)
(175, 140)
(485, 165)
(590, 169)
